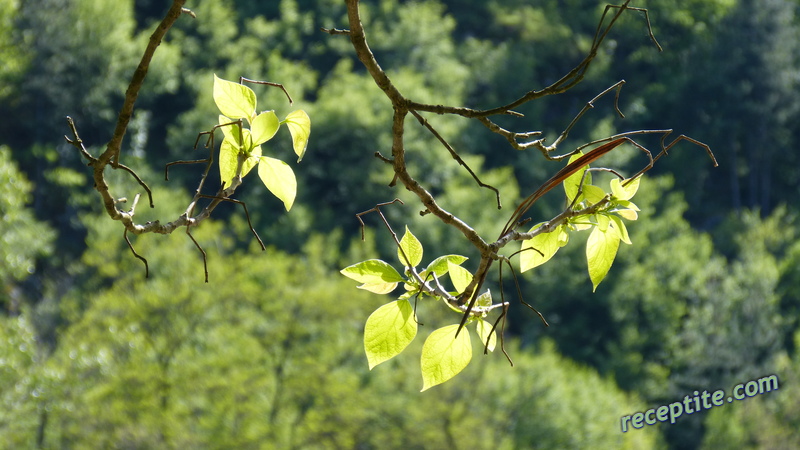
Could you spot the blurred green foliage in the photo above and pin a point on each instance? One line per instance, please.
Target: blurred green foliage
(269, 353)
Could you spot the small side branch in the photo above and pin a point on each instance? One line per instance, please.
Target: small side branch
(267, 83)
(334, 31)
(424, 122)
(138, 256)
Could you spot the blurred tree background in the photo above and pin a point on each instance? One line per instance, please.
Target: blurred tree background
(269, 353)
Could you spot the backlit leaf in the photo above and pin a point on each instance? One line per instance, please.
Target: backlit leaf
(412, 248)
(572, 183)
(444, 355)
(626, 192)
(546, 243)
(601, 249)
(264, 126)
(279, 178)
(233, 99)
(300, 127)
(460, 276)
(388, 331)
(372, 271)
(441, 265)
(485, 333)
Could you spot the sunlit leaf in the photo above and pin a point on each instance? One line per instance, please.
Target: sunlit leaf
(264, 126)
(626, 192)
(372, 271)
(593, 194)
(484, 300)
(388, 331)
(412, 248)
(572, 183)
(233, 99)
(229, 161)
(444, 355)
(485, 333)
(441, 265)
(279, 178)
(627, 214)
(619, 226)
(601, 249)
(379, 288)
(300, 127)
(460, 276)
(546, 243)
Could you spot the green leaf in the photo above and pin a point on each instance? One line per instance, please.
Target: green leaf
(264, 126)
(626, 192)
(412, 249)
(546, 243)
(372, 271)
(444, 355)
(460, 276)
(485, 333)
(388, 331)
(601, 249)
(441, 265)
(229, 160)
(279, 178)
(484, 300)
(593, 194)
(572, 183)
(300, 127)
(233, 99)
(619, 226)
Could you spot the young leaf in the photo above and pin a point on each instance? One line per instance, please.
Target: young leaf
(444, 355)
(279, 178)
(388, 331)
(459, 276)
(229, 160)
(546, 243)
(441, 265)
(412, 249)
(372, 271)
(264, 126)
(484, 300)
(592, 193)
(601, 249)
(626, 192)
(300, 127)
(233, 99)
(619, 226)
(572, 183)
(485, 333)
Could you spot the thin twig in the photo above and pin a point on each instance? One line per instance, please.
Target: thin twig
(424, 122)
(268, 83)
(140, 257)
(334, 31)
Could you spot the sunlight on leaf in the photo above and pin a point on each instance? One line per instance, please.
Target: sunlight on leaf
(572, 183)
(546, 243)
(388, 331)
(372, 271)
(233, 99)
(444, 355)
(485, 333)
(601, 249)
(412, 249)
(621, 192)
(300, 127)
(279, 178)
(264, 126)
(460, 277)
(441, 265)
